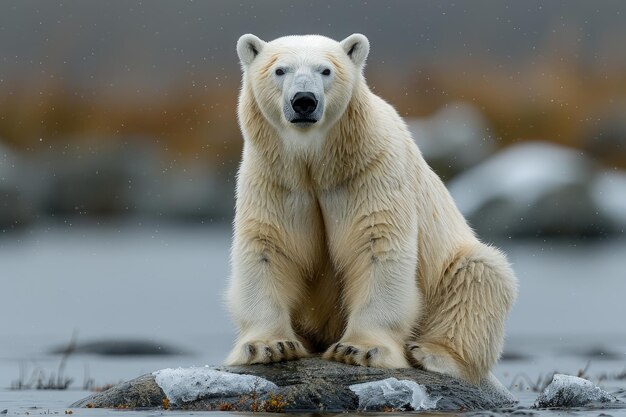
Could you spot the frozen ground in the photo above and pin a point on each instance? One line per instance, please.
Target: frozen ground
(165, 283)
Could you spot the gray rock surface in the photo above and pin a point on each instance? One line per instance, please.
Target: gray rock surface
(307, 385)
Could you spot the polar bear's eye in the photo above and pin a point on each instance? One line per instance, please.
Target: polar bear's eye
(326, 72)
(279, 71)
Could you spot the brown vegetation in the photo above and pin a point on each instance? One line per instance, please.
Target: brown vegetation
(555, 100)
(166, 403)
(181, 121)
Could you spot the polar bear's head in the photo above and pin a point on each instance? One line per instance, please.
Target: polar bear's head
(302, 83)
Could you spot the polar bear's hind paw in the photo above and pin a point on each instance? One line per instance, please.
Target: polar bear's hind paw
(435, 358)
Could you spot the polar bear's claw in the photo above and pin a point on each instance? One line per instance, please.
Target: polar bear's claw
(265, 351)
(365, 355)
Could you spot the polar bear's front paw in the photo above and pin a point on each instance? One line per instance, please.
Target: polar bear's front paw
(266, 351)
(377, 356)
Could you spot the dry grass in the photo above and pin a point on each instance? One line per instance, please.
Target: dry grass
(180, 122)
(523, 382)
(165, 404)
(40, 379)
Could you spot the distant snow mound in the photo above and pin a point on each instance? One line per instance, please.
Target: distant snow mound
(571, 391)
(534, 188)
(393, 393)
(183, 385)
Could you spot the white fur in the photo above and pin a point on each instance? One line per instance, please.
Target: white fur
(344, 239)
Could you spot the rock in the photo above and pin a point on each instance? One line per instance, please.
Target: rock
(605, 135)
(117, 347)
(189, 190)
(570, 391)
(96, 176)
(119, 176)
(16, 206)
(138, 393)
(531, 189)
(609, 193)
(454, 139)
(305, 385)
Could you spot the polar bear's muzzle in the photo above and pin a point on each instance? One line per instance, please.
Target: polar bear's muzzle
(303, 109)
(304, 103)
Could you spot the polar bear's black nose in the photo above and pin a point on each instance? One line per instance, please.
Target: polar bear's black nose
(304, 103)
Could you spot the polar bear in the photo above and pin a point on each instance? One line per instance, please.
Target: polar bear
(345, 241)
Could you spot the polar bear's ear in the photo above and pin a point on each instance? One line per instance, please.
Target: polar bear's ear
(357, 47)
(248, 47)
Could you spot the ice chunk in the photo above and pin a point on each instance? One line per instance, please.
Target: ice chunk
(188, 384)
(571, 391)
(393, 393)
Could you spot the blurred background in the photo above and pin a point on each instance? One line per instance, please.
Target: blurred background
(119, 148)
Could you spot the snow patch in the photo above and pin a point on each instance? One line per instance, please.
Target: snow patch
(571, 391)
(393, 393)
(182, 385)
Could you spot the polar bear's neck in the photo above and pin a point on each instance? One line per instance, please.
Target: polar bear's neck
(305, 144)
(325, 155)
(353, 142)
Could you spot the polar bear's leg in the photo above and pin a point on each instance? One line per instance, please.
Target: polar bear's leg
(266, 285)
(462, 330)
(377, 258)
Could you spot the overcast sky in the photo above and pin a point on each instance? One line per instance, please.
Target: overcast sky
(156, 42)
